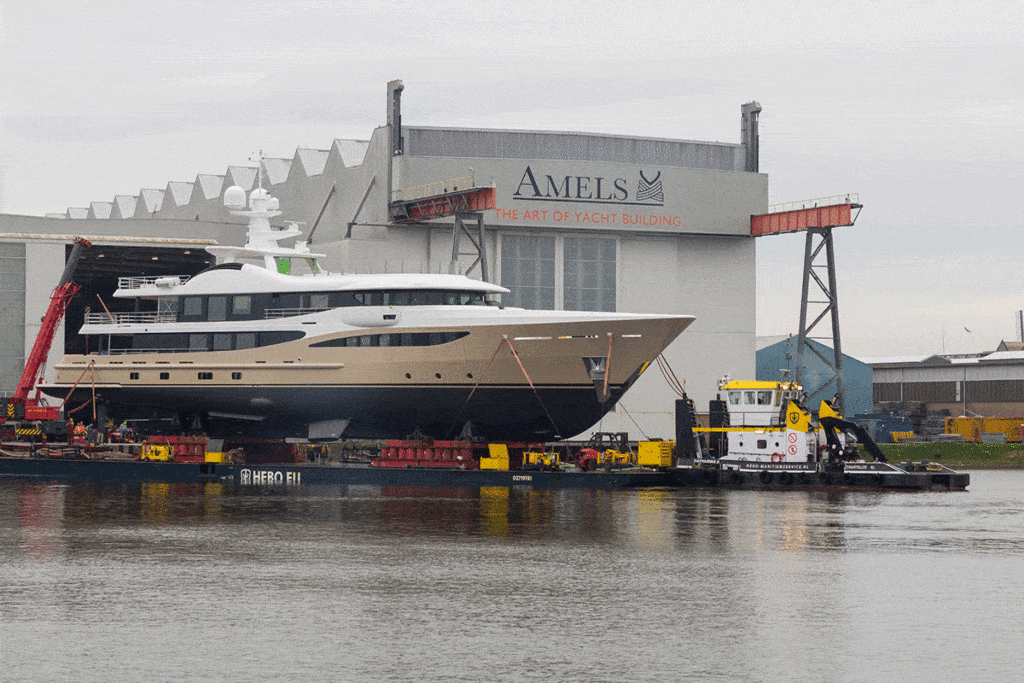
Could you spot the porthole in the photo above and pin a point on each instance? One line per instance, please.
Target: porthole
(437, 375)
(165, 375)
(133, 375)
(408, 376)
(469, 375)
(236, 375)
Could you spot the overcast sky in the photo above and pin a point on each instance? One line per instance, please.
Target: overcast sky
(915, 105)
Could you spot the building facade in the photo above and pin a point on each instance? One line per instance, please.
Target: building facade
(989, 385)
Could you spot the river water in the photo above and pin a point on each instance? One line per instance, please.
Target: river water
(156, 582)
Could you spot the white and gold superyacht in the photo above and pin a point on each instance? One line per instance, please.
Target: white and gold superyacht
(267, 343)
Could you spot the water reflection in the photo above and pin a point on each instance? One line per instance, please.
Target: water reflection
(709, 521)
(364, 583)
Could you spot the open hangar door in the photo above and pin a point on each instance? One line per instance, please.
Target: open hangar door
(98, 273)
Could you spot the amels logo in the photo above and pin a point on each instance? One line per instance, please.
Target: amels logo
(557, 187)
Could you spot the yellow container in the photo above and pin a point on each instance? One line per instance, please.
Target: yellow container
(497, 457)
(157, 452)
(214, 457)
(971, 428)
(655, 454)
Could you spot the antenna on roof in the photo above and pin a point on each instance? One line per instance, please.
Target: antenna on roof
(259, 169)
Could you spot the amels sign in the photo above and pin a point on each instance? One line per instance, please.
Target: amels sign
(620, 199)
(645, 190)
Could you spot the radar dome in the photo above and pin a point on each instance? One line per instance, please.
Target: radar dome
(234, 197)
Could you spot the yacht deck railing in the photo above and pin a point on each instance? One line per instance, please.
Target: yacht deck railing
(105, 318)
(148, 281)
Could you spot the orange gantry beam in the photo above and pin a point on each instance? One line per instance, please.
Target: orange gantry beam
(803, 217)
(442, 205)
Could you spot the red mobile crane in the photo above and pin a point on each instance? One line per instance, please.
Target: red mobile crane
(23, 406)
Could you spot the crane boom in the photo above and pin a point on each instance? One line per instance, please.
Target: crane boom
(59, 300)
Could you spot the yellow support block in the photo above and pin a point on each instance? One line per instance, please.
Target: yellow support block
(497, 457)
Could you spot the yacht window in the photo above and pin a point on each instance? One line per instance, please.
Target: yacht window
(734, 397)
(288, 300)
(222, 341)
(160, 342)
(217, 308)
(193, 306)
(748, 398)
(375, 299)
(241, 304)
(198, 342)
(318, 301)
(401, 298)
(167, 304)
(764, 398)
(271, 338)
(245, 340)
(343, 299)
(236, 375)
(406, 339)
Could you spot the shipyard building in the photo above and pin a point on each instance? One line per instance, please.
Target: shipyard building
(582, 222)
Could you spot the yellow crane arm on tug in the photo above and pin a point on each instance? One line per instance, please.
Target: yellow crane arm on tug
(826, 410)
(797, 418)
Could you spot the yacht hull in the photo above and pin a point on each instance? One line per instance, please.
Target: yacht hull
(538, 381)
